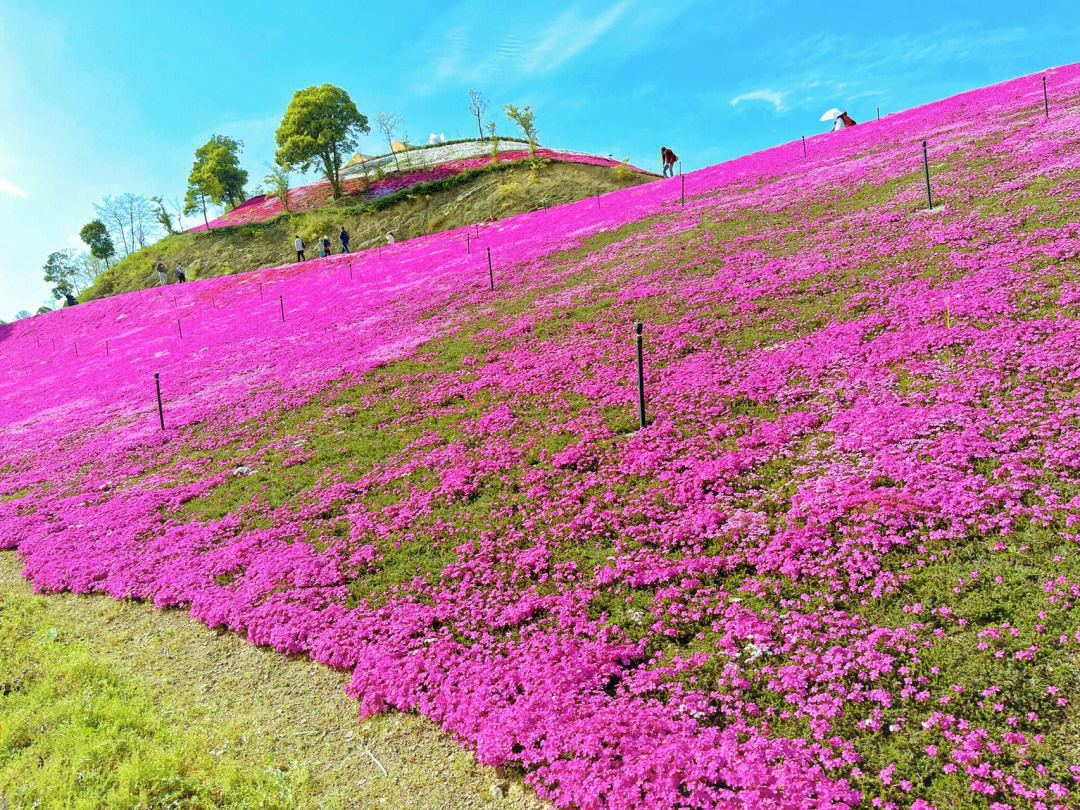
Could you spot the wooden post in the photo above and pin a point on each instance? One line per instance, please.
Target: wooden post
(640, 376)
(597, 201)
(106, 347)
(1046, 99)
(491, 271)
(281, 303)
(160, 412)
(926, 169)
(178, 329)
(804, 146)
(682, 178)
(879, 113)
(76, 348)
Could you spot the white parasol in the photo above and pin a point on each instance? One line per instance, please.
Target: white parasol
(833, 114)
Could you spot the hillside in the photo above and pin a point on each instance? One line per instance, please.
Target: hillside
(408, 203)
(838, 567)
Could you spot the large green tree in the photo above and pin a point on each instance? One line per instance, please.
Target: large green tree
(320, 127)
(61, 271)
(96, 236)
(216, 176)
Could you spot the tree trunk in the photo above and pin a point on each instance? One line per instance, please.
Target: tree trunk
(479, 127)
(202, 198)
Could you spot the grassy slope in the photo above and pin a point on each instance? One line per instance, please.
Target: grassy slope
(113, 704)
(487, 195)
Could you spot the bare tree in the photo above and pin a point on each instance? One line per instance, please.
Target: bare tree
(130, 220)
(477, 105)
(387, 122)
(87, 269)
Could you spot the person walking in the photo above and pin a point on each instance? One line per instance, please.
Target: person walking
(344, 237)
(162, 275)
(390, 237)
(181, 276)
(326, 251)
(70, 300)
(300, 246)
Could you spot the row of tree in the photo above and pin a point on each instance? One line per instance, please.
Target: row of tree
(319, 130)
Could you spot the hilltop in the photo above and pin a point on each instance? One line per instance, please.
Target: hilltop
(838, 567)
(426, 190)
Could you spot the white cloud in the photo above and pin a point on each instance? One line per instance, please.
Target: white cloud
(771, 96)
(7, 187)
(568, 36)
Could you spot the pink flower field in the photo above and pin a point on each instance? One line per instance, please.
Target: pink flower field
(838, 568)
(262, 207)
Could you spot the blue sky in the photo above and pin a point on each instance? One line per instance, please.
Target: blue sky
(110, 97)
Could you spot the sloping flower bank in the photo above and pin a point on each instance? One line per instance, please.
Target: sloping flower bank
(839, 567)
(262, 207)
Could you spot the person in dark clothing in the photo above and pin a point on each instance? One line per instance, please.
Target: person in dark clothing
(344, 237)
(181, 276)
(668, 158)
(326, 246)
(70, 300)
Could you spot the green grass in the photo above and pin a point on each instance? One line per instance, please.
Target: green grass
(77, 733)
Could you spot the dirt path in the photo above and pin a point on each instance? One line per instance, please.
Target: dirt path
(266, 707)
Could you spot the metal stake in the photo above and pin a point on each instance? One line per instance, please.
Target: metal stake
(682, 177)
(160, 412)
(926, 169)
(491, 272)
(106, 348)
(640, 376)
(468, 242)
(281, 303)
(1046, 99)
(804, 146)
(178, 329)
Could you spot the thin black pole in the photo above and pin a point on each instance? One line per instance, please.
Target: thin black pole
(598, 202)
(350, 272)
(640, 376)
(879, 113)
(491, 272)
(178, 329)
(54, 345)
(926, 169)
(477, 224)
(160, 412)
(76, 348)
(1046, 99)
(281, 303)
(682, 177)
(260, 291)
(106, 348)
(680, 168)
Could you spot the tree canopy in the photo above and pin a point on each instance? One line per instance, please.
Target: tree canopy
(525, 118)
(216, 175)
(320, 126)
(60, 271)
(96, 236)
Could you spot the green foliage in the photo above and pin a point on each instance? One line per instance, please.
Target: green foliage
(75, 733)
(162, 214)
(215, 176)
(95, 234)
(60, 271)
(525, 118)
(277, 183)
(320, 125)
